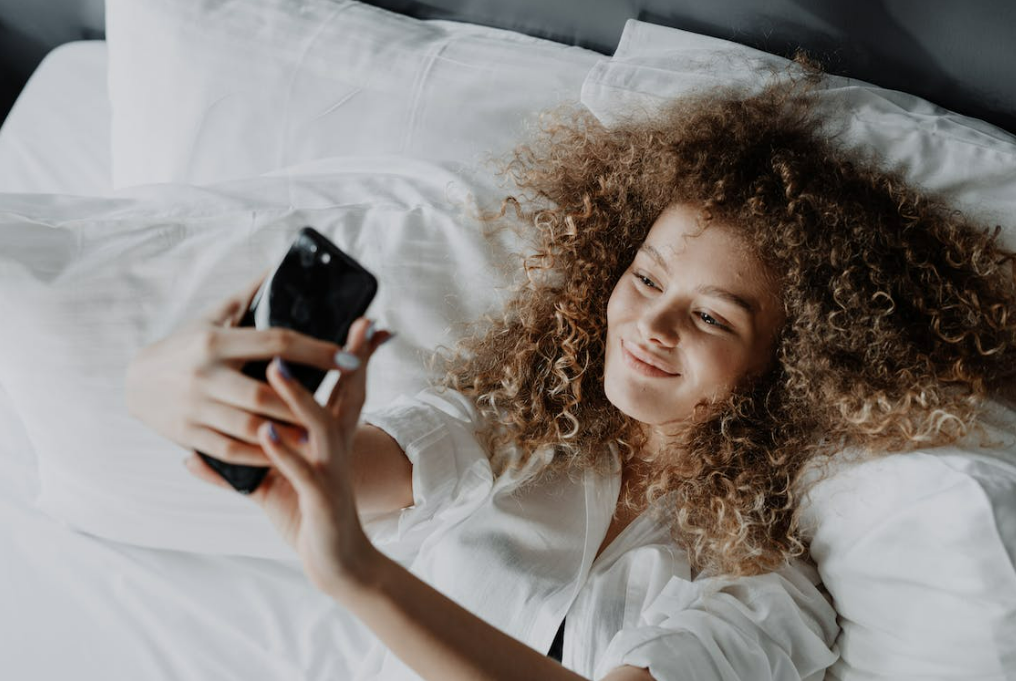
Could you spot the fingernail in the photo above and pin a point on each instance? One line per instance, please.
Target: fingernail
(283, 369)
(371, 330)
(304, 437)
(391, 335)
(347, 360)
(272, 433)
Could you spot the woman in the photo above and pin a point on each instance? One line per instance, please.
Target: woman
(717, 301)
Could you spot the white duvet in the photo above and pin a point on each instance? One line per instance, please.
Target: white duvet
(87, 283)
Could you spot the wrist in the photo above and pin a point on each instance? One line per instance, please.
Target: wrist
(364, 576)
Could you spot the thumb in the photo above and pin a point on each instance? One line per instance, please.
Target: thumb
(230, 311)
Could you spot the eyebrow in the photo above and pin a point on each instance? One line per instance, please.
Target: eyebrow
(655, 255)
(729, 296)
(715, 291)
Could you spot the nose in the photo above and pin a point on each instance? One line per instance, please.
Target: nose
(659, 326)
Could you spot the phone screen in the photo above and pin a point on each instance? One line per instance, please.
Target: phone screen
(317, 290)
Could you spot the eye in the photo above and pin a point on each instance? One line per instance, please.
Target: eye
(645, 281)
(711, 321)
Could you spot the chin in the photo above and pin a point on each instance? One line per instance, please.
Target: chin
(632, 403)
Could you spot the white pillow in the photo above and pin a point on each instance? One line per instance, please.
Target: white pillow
(216, 90)
(917, 550)
(86, 282)
(972, 163)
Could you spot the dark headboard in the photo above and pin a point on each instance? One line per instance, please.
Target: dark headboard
(961, 55)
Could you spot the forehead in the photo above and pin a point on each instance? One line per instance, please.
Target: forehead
(714, 253)
(680, 229)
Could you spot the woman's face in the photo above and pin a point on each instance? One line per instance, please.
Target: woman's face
(694, 314)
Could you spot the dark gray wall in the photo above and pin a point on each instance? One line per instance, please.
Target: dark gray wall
(31, 28)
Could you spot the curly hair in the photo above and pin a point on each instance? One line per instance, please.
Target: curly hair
(899, 310)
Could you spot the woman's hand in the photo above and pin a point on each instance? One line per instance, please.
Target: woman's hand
(188, 387)
(308, 493)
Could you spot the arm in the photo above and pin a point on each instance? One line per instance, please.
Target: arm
(309, 495)
(440, 639)
(382, 475)
(428, 631)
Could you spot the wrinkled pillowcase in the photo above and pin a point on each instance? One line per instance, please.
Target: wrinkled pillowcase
(206, 91)
(969, 162)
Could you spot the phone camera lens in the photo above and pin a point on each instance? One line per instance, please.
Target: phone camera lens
(326, 258)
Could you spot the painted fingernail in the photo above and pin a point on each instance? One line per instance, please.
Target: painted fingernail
(283, 369)
(272, 433)
(371, 330)
(391, 335)
(347, 360)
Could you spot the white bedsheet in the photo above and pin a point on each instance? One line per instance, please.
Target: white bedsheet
(56, 138)
(78, 607)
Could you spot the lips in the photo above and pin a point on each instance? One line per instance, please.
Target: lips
(644, 362)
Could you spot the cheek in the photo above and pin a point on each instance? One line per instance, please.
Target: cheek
(725, 368)
(615, 307)
(618, 315)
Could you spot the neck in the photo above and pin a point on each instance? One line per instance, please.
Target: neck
(656, 445)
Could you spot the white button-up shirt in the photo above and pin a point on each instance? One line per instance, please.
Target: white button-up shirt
(523, 557)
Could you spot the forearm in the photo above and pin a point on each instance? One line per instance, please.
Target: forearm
(438, 638)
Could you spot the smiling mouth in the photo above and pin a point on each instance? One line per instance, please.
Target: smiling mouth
(643, 368)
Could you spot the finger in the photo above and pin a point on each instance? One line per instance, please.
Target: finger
(227, 449)
(238, 404)
(378, 339)
(357, 341)
(300, 400)
(197, 466)
(349, 392)
(264, 344)
(273, 484)
(231, 310)
(296, 469)
(292, 435)
(230, 421)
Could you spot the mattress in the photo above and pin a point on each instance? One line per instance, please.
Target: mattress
(39, 151)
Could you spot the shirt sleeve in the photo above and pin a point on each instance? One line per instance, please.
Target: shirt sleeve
(773, 627)
(452, 474)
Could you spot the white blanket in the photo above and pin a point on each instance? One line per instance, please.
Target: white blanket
(85, 283)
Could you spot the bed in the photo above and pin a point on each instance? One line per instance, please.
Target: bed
(200, 136)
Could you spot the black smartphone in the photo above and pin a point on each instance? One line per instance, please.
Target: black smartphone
(317, 290)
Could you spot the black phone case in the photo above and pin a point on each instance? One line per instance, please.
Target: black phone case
(317, 290)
